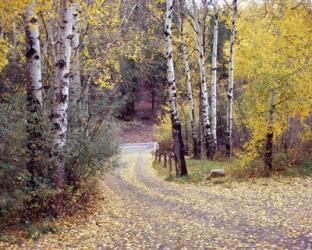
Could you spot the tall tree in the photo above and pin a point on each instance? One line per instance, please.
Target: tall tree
(214, 75)
(180, 6)
(268, 159)
(14, 44)
(203, 84)
(229, 114)
(75, 90)
(34, 86)
(61, 89)
(176, 124)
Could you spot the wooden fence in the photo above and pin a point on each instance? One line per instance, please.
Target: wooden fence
(167, 158)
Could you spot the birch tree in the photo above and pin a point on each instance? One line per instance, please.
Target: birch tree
(176, 125)
(34, 85)
(188, 78)
(61, 88)
(75, 78)
(268, 159)
(203, 84)
(229, 114)
(214, 75)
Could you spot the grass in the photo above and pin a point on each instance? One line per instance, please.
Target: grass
(198, 171)
(302, 170)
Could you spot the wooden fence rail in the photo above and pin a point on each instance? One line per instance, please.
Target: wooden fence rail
(167, 157)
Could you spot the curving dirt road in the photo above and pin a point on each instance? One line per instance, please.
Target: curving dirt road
(164, 215)
(146, 212)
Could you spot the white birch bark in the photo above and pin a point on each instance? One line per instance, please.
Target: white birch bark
(33, 59)
(75, 70)
(204, 91)
(214, 73)
(229, 114)
(61, 88)
(188, 78)
(34, 89)
(176, 125)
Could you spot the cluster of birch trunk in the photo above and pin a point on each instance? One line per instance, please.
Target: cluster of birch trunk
(67, 83)
(208, 138)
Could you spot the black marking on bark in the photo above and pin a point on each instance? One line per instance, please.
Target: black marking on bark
(31, 52)
(56, 126)
(33, 20)
(54, 115)
(60, 98)
(61, 64)
(217, 16)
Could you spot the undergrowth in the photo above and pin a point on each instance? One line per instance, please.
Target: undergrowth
(198, 171)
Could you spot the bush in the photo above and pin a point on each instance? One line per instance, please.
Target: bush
(25, 196)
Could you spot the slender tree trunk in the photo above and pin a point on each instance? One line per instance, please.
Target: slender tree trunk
(49, 25)
(229, 114)
(188, 81)
(176, 125)
(34, 88)
(204, 91)
(75, 93)
(268, 160)
(14, 44)
(85, 96)
(61, 89)
(214, 75)
(200, 125)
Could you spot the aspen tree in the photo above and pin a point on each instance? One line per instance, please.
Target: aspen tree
(176, 124)
(188, 78)
(61, 88)
(229, 114)
(75, 89)
(34, 86)
(203, 84)
(214, 75)
(269, 137)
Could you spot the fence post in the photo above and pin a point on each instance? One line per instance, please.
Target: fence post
(156, 153)
(159, 156)
(176, 165)
(170, 163)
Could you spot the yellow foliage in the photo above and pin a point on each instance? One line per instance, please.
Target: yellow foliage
(4, 50)
(273, 52)
(163, 130)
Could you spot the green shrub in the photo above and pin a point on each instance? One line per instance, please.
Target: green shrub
(25, 196)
